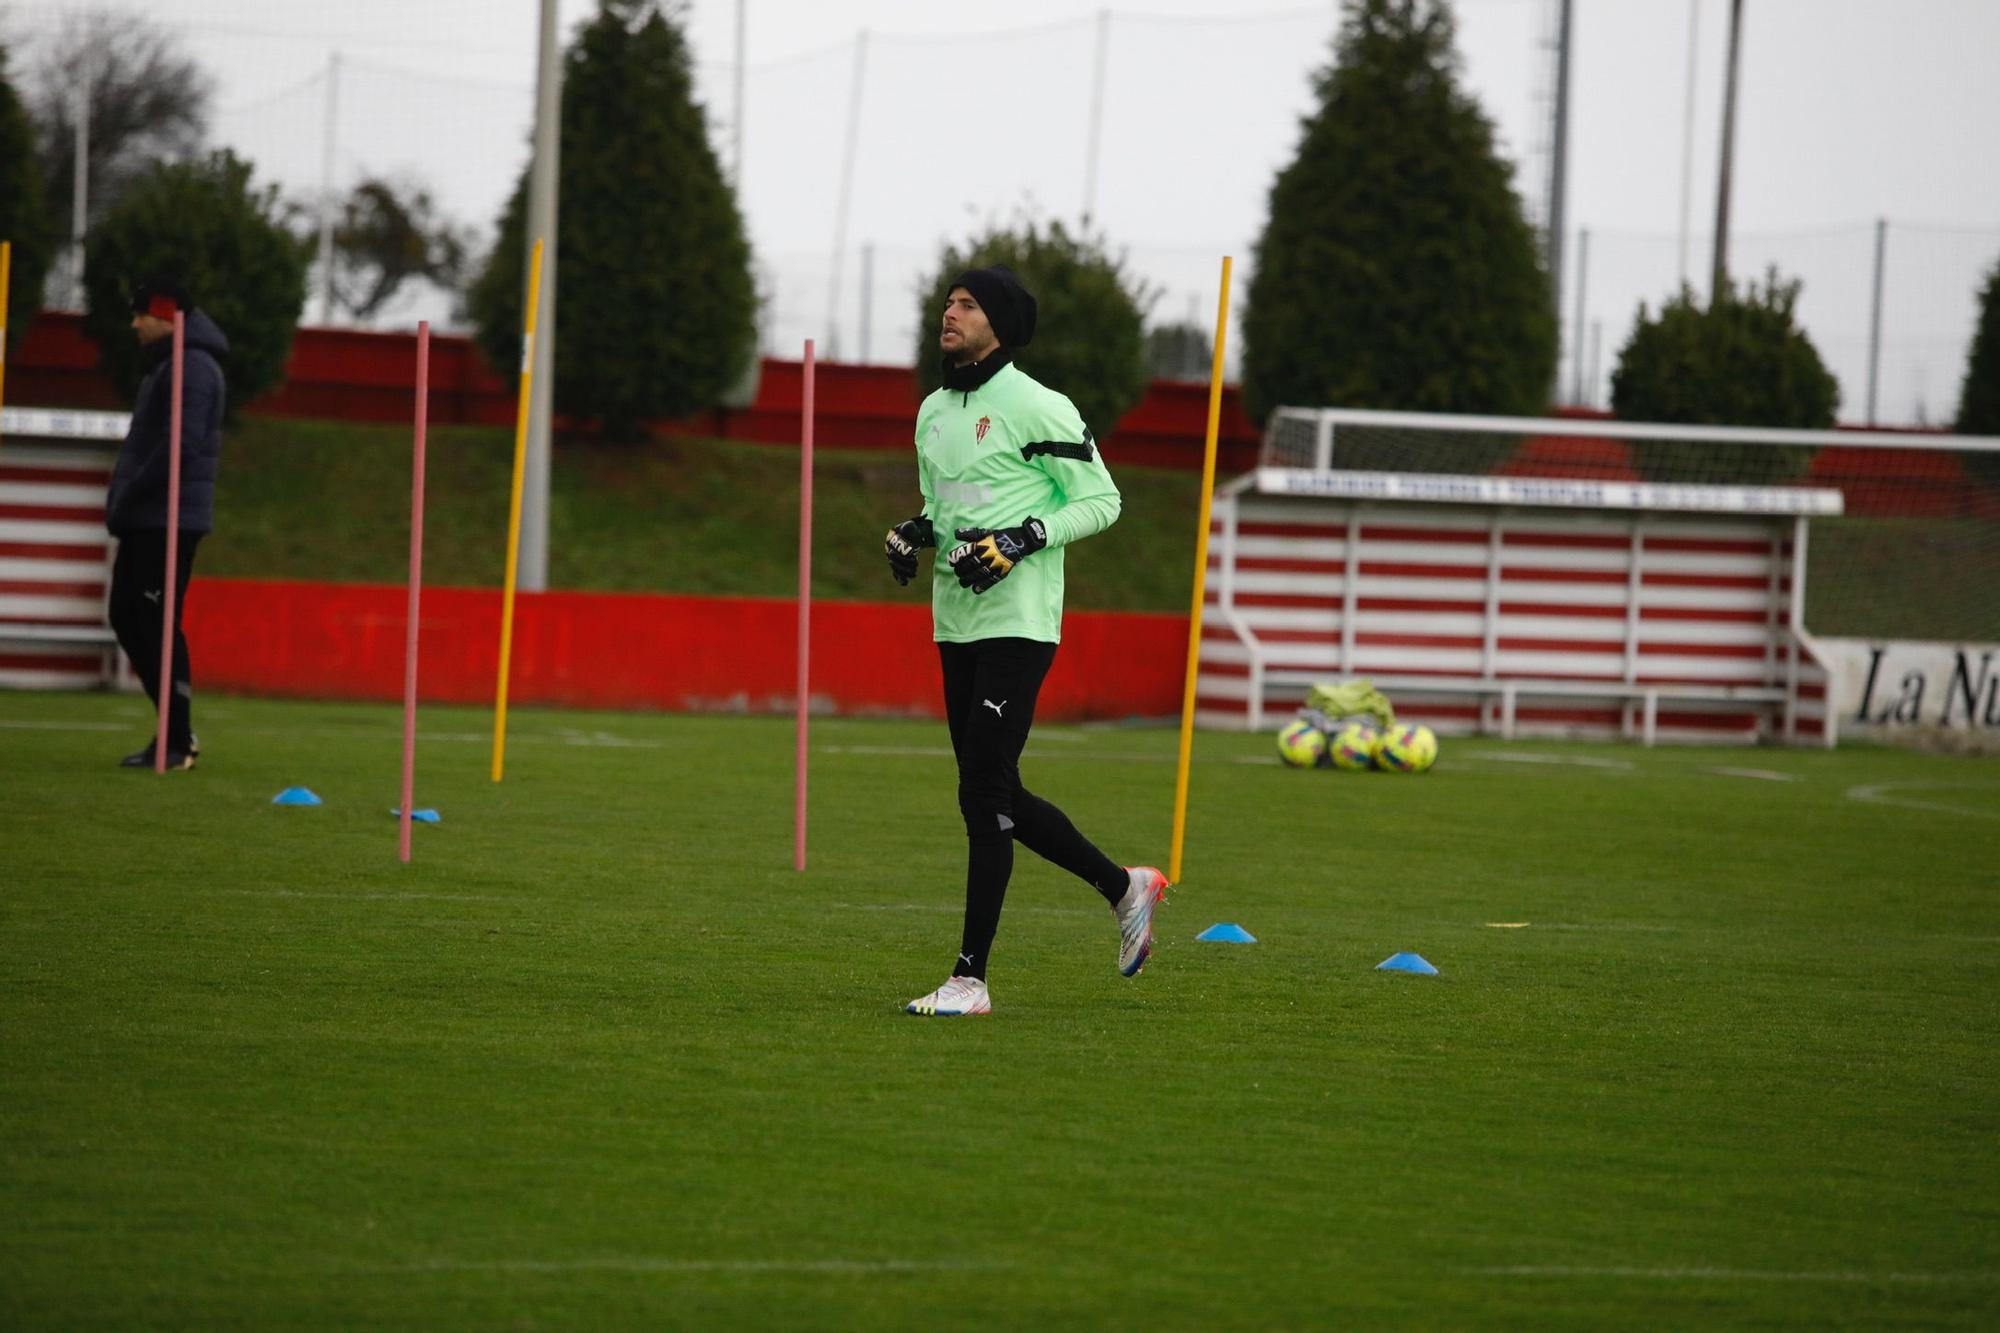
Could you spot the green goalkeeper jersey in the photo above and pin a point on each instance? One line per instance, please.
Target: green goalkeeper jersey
(989, 458)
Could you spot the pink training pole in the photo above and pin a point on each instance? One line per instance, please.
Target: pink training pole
(172, 579)
(416, 590)
(805, 605)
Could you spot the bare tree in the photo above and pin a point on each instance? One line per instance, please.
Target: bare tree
(148, 102)
(390, 233)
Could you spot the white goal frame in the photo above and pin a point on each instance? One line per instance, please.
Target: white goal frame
(1328, 420)
(1304, 469)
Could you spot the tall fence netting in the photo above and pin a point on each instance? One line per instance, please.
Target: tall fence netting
(1914, 553)
(386, 100)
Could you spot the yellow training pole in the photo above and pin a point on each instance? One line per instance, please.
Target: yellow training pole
(514, 512)
(1200, 576)
(6, 273)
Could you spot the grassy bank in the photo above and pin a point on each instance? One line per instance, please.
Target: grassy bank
(330, 500)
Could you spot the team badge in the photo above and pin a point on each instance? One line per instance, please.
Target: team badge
(979, 431)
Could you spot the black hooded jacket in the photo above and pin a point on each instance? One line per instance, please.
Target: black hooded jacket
(137, 501)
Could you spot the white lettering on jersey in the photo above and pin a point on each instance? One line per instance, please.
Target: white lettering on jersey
(971, 494)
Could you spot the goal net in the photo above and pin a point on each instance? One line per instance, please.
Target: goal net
(1913, 554)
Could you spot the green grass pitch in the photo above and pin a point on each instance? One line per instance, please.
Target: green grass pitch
(599, 1058)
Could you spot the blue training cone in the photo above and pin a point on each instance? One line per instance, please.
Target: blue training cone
(1227, 932)
(1406, 962)
(296, 796)
(420, 816)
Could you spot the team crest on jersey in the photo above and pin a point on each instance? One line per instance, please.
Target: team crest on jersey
(979, 431)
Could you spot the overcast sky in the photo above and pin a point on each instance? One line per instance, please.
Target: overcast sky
(1851, 111)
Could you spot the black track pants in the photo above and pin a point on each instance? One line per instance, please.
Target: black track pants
(137, 611)
(990, 689)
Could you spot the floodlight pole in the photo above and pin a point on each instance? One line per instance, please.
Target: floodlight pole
(326, 204)
(846, 193)
(1596, 346)
(1718, 278)
(542, 198)
(79, 188)
(1096, 117)
(1875, 317)
(1582, 278)
(1687, 135)
(867, 297)
(1559, 154)
(736, 119)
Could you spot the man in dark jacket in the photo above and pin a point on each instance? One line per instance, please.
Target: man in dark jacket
(136, 508)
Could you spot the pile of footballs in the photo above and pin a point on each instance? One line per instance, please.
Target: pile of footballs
(1357, 745)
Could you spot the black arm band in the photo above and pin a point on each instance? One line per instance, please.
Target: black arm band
(1081, 452)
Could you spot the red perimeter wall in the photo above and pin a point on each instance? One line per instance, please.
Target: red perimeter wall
(345, 375)
(624, 650)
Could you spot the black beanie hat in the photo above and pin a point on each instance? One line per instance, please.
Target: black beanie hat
(1008, 306)
(160, 297)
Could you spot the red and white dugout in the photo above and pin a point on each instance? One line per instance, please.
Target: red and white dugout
(1517, 606)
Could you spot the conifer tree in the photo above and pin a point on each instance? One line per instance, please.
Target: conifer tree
(1741, 361)
(225, 240)
(1979, 394)
(21, 219)
(656, 301)
(1396, 269)
(1089, 339)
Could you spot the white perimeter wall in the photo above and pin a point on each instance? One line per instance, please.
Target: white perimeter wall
(1888, 690)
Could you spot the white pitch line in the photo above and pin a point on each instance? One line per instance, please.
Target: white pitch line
(1637, 928)
(1618, 927)
(608, 739)
(612, 740)
(561, 737)
(1762, 774)
(31, 724)
(919, 751)
(1033, 752)
(1876, 794)
(954, 908)
(389, 896)
(1579, 760)
(642, 1264)
(366, 897)
(1704, 1274)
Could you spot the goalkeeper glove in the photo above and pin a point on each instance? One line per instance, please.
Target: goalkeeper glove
(984, 556)
(903, 543)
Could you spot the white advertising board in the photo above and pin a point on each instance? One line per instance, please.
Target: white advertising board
(1556, 493)
(1889, 690)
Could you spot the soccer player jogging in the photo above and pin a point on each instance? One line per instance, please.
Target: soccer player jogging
(1010, 476)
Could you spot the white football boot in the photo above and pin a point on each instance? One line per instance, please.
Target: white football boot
(1135, 917)
(960, 997)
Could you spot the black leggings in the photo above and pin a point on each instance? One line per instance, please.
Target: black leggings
(138, 614)
(990, 688)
